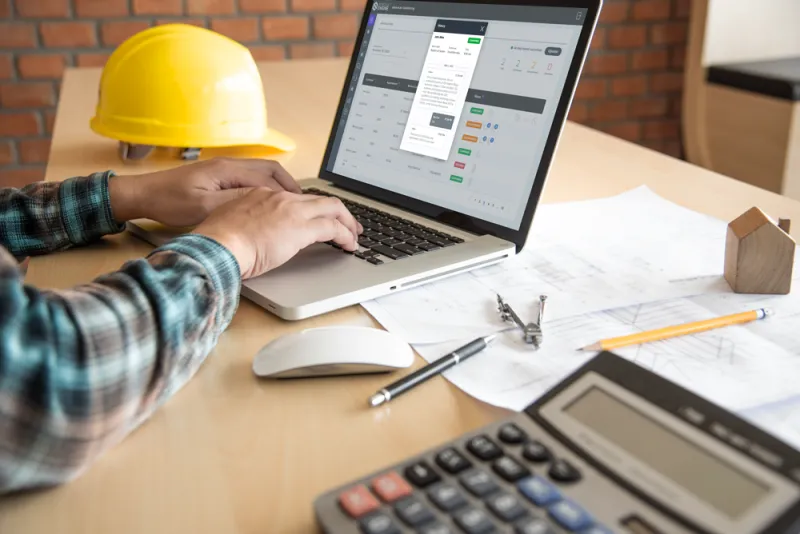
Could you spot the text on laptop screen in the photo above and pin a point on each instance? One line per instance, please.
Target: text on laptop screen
(452, 103)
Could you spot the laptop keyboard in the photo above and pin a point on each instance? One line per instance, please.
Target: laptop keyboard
(388, 237)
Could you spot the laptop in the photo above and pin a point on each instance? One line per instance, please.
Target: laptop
(447, 124)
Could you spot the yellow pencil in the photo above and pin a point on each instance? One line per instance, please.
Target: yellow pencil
(678, 330)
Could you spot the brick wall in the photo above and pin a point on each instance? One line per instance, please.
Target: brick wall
(631, 87)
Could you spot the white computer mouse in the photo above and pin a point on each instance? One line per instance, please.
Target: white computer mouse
(331, 351)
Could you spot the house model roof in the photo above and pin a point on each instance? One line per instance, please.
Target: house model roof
(750, 221)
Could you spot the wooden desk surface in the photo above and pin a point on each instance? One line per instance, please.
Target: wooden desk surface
(237, 455)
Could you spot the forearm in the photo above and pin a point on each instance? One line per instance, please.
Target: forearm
(82, 368)
(50, 216)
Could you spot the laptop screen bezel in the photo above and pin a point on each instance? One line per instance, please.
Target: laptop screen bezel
(463, 221)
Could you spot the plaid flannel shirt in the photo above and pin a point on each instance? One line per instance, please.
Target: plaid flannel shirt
(82, 368)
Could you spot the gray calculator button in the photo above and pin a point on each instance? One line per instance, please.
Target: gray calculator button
(412, 512)
(446, 497)
(478, 482)
(506, 506)
(474, 521)
(533, 525)
(378, 523)
(510, 469)
(435, 528)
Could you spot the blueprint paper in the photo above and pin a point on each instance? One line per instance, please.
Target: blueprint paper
(585, 256)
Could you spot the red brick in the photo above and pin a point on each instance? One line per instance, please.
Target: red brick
(345, 48)
(17, 35)
(49, 117)
(662, 129)
(157, 7)
(268, 52)
(262, 6)
(651, 10)
(5, 8)
(21, 177)
(26, 95)
(192, 22)
(598, 39)
(627, 37)
(656, 106)
(591, 88)
(607, 64)
(114, 33)
(18, 124)
(241, 29)
(313, 5)
(675, 106)
(609, 110)
(91, 60)
(629, 85)
(352, 5)
(101, 8)
(669, 33)
(285, 28)
(68, 34)
(33, 150)
(662, 82)
(578, 112)
(6, 67)
(209, 7)
(631, 131)
(343, 25)
(6, 153)
(310, 50)
(41, 66)
(677, 57)
(650, 60)
(613, 12)
(682, 8)
(43, 8)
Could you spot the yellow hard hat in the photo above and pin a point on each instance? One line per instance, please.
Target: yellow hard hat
(182, 86)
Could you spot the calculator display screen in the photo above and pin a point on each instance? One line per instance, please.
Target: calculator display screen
(702, 474)
(452, 103)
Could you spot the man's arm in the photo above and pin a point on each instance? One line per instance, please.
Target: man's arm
(50, 216)
(80, 369)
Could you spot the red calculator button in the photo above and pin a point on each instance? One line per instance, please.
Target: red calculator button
(358, 501)
(391, 487)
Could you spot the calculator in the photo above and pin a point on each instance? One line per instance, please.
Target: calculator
(611, 448)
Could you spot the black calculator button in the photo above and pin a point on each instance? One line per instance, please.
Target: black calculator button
(421, 475)
(474, 521)
(478, 482)
(446, 497)
(533, 525)
(510, 469)
(413, 512)
(506, 506)
(563, 471)
(484, 448)
(435, 528)
(378, 523)
(452, 461)
(536, 451)
(511, 434)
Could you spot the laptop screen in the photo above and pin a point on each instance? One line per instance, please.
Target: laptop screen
(452, 103)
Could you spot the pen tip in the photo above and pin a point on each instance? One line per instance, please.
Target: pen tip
(377, 399)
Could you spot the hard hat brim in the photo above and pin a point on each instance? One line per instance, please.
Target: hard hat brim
(275, 139)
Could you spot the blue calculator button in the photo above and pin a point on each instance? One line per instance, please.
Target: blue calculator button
(538, 490)
(597, 529)
(570, 516)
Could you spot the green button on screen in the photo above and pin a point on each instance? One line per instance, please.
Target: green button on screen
(474, 40)
(476, 111)
(454, 178)
(465, 151)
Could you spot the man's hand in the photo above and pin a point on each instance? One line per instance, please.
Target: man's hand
(186, 195)
(265, 228)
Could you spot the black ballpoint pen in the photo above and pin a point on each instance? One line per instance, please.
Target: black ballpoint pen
(432, 369)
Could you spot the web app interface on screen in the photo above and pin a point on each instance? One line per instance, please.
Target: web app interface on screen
(452, 104)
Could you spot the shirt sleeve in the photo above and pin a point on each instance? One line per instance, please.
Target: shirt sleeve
(81, 368)
(50, 216)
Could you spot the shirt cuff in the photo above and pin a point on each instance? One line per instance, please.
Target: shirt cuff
(86, 208)
(219, 263)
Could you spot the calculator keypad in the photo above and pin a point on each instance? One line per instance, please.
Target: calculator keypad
(503, 481)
